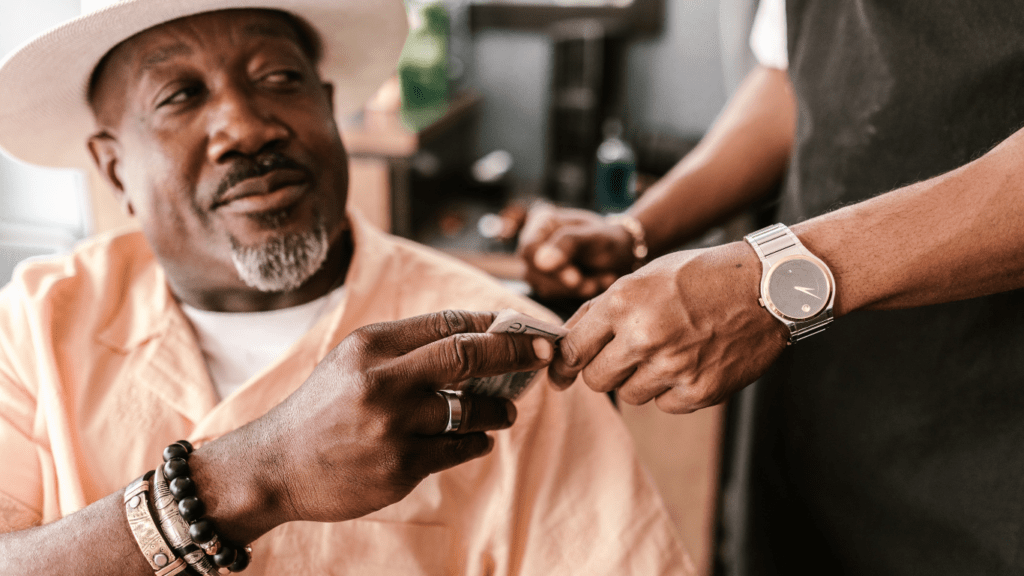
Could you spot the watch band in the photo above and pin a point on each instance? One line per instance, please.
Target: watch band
(772, 240)
(772, 244)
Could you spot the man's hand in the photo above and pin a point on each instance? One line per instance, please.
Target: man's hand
(685, 330)
(366, 427)
(573, 253)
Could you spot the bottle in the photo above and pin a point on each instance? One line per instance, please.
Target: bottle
(615, 177)
(423, 65)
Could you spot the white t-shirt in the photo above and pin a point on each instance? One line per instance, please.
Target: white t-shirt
(238, 345)
(768, 36)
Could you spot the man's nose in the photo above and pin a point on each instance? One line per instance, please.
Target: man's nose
(239, 124)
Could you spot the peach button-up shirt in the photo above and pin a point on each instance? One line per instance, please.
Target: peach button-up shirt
(99, 370)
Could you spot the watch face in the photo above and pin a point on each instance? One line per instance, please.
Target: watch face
(798, 288)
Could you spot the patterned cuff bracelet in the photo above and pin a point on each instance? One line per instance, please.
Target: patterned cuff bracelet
(176, 528)
(149, 538)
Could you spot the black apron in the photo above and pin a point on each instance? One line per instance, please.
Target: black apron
(893, 443)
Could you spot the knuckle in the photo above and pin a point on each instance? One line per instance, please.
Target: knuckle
(361, 341)
(572, 357)
(518, 351)
(451, 322)
(673, 404)
(464, 355)
(375, 379)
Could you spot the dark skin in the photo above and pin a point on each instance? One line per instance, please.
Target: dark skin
(181, 108)
(365, 428)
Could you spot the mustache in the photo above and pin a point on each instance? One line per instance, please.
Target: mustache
(254, 167)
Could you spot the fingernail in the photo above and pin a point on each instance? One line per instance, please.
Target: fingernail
(543, 349)
(513, 412)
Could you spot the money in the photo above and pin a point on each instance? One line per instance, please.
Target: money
(513, 385)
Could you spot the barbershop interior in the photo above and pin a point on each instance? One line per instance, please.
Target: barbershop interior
(494, 112)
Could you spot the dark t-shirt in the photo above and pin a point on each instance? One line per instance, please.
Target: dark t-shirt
(893, 443)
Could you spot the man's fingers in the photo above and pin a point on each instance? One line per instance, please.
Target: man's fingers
(479, 414)
(448, 450)
(401, 336)
(541, 221)
(448, 362)
(587, 336)
(609, 369)
(546, 286)
(570, 277)
(643, 385)
(549, 258)
(552, 286)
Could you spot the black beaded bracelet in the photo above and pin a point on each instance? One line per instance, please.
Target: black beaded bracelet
(200, 529)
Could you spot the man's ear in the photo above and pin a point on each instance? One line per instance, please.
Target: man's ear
(105, 151)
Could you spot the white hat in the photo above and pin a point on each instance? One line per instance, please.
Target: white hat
(45, 118)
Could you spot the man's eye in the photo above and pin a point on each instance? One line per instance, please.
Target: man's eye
(181, 96)
(282, 77)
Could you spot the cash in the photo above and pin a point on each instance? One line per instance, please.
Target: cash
(513, 385)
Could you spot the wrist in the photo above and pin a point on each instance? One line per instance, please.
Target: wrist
(637, 238)
(829, 244)
(238, 489)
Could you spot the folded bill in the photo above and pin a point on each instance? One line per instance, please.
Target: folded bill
(513, 385)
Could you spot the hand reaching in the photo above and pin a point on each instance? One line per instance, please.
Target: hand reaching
(685, 330)
(365, 428)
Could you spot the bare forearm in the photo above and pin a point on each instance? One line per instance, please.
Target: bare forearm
(94, 541)
(949, 238)
(737, 162)
(233, 481)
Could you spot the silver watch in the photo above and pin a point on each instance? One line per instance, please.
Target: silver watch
(796, 286)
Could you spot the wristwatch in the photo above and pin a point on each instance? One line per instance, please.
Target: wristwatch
(796, 286)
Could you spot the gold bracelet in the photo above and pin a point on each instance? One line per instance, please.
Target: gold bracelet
(636, 230)
(149, 538)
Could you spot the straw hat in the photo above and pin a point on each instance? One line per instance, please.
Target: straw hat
(44, 116)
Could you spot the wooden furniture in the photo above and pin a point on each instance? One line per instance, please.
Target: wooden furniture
(384, 153)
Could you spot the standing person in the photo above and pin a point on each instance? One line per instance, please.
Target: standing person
(890, 442)
(305, 358)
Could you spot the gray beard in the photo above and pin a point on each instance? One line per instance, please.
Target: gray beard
(283, 263)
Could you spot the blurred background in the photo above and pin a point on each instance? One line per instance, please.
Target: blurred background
(495, 104)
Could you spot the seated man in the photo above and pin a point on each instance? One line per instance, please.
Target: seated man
(237, 319)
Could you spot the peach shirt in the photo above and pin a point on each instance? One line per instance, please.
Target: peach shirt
(99, 370)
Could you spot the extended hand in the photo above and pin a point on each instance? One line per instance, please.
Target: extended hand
(572, 252)
(685, 330)
(365, 428)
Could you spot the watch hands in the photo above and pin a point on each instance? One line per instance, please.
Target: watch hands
(806, 291)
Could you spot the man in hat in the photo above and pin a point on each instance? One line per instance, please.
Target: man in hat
(255, 318)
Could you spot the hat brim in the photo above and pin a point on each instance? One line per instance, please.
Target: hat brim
(45, 118)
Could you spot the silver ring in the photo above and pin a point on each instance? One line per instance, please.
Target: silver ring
(454, 398)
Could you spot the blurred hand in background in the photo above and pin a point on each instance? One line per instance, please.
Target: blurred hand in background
(573, 253)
